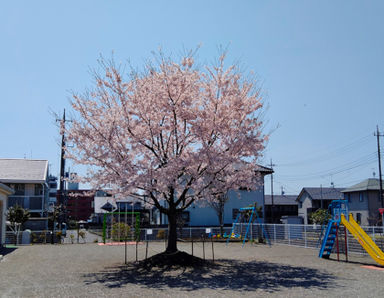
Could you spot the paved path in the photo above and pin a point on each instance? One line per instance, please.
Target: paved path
(92, 270)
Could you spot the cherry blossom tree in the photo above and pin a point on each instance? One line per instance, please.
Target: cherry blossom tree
(167, 134)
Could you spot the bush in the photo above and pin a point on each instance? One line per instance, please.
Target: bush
(59, 235)
(34, 237)
(320, 216)
(82, 235)
(121, 231)
(160, 234)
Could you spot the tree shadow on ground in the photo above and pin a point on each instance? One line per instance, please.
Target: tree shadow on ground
(223, 275)
(7, 250)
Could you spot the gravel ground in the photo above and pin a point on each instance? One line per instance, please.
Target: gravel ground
(92, 270)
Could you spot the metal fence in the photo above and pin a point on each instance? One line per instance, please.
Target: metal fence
(309, 236)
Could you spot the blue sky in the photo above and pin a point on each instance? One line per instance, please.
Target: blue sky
(320, 63)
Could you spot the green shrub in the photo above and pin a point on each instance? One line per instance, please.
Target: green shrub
(320, 216)
(121, 231)
(160, 234)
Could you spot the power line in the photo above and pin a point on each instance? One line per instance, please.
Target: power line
(331, 154)
(363, 161)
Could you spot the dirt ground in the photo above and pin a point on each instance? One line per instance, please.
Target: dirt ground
(93, 270)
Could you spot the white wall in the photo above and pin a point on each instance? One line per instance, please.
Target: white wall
(204, 215)
(306, 203)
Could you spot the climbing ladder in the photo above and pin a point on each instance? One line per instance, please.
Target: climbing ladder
(336, 208)
(329, 239)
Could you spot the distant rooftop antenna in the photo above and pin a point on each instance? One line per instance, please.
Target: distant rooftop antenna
(332, 184)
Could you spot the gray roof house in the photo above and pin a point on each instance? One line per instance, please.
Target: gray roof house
(364, 201)
(312, 198)
(283, 205)
(29, 180)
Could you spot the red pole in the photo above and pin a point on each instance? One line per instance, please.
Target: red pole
(345, 242)
(337, 242)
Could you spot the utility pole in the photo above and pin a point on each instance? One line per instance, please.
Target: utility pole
(378, 135)
(62, 195)
(272, 206)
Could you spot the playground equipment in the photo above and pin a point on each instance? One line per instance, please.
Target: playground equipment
(339, 211)
(252, 213)
(109, 220)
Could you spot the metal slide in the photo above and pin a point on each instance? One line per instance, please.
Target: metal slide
(365, 241)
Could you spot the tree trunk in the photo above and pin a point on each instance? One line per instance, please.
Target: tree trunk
(172, 232)
(221, 219)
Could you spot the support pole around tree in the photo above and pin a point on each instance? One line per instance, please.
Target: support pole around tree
(203, 247)
(192, 245)
(136, 250)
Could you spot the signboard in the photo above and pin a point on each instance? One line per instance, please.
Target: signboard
(149, 231)
(208, 230)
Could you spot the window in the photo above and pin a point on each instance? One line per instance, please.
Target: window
(38, 190)
(347, 197)
(18, 188)
(300, 204)
(35, 203)
(361, 197)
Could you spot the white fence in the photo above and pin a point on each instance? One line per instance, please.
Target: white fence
(308, 236)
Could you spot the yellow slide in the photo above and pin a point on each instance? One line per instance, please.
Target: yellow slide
(366, 242)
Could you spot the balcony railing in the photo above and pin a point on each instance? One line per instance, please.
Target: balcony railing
(33, 203)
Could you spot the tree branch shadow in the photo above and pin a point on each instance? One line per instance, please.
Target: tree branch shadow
(223, 275)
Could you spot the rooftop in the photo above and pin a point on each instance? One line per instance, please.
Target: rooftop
(368, 184)
(23, 170)
(280, 200)
(322, 193)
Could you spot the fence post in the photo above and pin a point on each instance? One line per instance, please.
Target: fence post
(373, 236)
(289, 234)
(305, 235)
(274, 232)
(190, 232)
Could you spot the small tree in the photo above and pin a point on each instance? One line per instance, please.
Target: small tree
(17, 216)
(57, 212)
(120, 231)
(320, 216)
(218, 203)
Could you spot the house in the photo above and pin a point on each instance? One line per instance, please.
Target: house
(29, 180)
(5, 191)
(52, 201)
(105, 203)
(364, 201)
(204, 215)
(80, 204)
(283, 205)
(312, 198)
